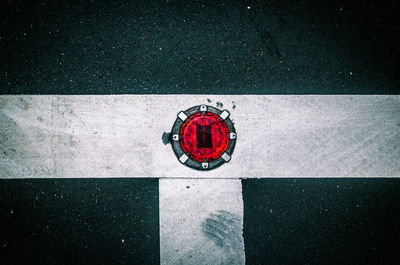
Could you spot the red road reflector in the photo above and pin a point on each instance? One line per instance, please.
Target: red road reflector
(203, 137)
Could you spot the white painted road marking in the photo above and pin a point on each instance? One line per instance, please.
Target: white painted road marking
(201, 221)
(277, 136)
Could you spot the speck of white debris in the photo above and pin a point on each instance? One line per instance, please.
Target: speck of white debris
(351, 73)
(248, 7)
(11, 211)
(122, 240)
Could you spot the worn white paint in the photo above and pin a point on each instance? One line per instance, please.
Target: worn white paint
(201, 221)
(277, 136)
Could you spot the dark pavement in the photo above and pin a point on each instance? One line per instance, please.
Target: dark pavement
(205, 47)
(79, 221)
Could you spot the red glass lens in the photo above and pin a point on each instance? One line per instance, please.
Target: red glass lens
(205, 136)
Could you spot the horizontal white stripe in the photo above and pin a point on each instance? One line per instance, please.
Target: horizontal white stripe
(201, 221)
(120, 136)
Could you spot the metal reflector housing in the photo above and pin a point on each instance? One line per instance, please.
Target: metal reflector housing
(203, 137)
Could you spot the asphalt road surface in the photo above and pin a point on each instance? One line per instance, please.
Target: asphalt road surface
(208, 48)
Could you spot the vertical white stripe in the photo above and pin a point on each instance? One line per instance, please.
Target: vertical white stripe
(201, 221)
